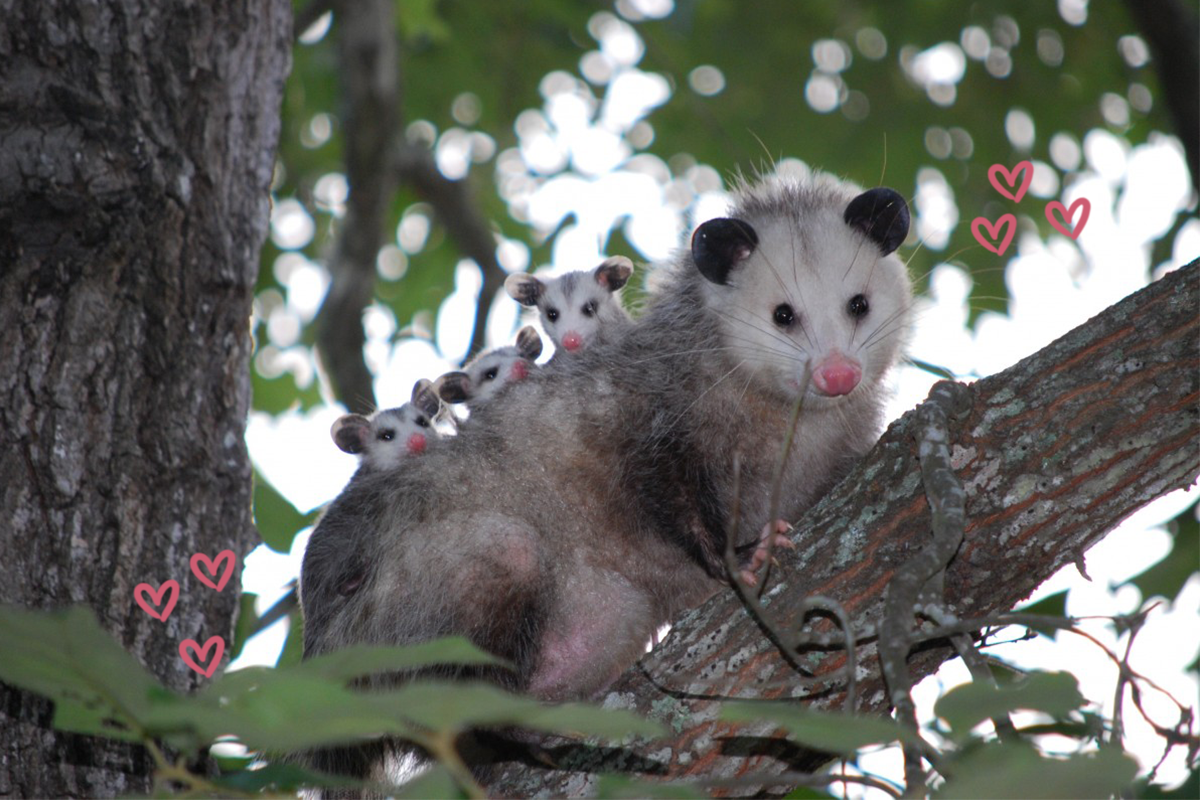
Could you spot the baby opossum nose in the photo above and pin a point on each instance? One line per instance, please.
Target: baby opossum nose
(572, 342)
(416, 443)
(520, 371)
(837, 375)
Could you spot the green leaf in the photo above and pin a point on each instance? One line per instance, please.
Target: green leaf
(247, 623)
(293, 646)
(434, 782)
(277, 520)
(451, 707)
(1054, 605)
(1167, 577)
(276, 778)
(964, 707)
(1018, 770)
(65, 655)
(843, 734)
(362, 660)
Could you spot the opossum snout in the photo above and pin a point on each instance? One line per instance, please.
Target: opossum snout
(416, 443)
(837, 375)
(520, 371)
(572, 342)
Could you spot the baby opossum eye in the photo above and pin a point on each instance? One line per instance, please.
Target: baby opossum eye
(784, 316)
(589, 308)
(858, 306)
(552, 314)
(490, 375)
(386, 435)
(424, 423)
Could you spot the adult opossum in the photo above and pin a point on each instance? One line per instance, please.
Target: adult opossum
(591, 502)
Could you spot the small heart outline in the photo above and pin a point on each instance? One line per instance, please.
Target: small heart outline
(993, 230)
(210, 565)
(1068, 214)
(171, 586)
(1010, 178)
(192, 644)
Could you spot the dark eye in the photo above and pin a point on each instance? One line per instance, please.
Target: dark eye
(589, 308)
(552, 314)
(424, 423)
(386, 435)
(784, 316)
(490, 375)
(858, 306)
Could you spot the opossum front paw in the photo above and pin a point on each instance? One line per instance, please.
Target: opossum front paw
(774, 535)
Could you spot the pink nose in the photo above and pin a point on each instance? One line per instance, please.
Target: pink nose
(520, 371)
(572, 342)
(416, 443)
(837, 375)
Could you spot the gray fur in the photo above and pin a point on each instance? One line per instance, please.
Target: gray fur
(577, 309)
(486, 375)
(593, 502)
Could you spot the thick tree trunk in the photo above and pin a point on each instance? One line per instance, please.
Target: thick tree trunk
(1054, 453)
(136, 152)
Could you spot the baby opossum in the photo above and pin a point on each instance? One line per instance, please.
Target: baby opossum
(602, 488)
(577, 309)
(387, 437)
(488, 373)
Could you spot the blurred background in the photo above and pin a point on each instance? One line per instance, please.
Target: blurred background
(431, 147)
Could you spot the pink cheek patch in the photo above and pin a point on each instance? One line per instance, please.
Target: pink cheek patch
(837, 375)
(520, 371)
(572, 342)
(416, 443)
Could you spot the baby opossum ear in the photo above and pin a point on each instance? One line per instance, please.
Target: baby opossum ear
(529, 344)
(882, 215)
(425, 398)
(453, 387)
(523, 288)
(719, 244)
(350, 432)
(614, 273)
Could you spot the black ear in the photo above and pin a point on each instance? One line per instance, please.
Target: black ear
(453, 387)
(882, 215)
(425, 398)
(719, 244)
(614, 273)
(350, 432)
(529, 344)
(523, 288)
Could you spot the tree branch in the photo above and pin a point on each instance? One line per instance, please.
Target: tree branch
(458, 213)
(369, 72)
(1054, 452)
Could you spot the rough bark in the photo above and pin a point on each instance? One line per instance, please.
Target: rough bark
(1054, 453)
(136, 152)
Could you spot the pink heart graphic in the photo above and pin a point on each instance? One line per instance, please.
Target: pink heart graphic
(1010, 177)
(210, 566)
(192, 644)
(170, 587)
(1067, 214)
(993, 231)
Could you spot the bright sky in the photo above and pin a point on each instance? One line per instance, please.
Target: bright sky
(578, 155)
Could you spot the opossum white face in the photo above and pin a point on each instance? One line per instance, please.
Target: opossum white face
(576, 307)
(389, 436)
(485, 376)
(806, 289)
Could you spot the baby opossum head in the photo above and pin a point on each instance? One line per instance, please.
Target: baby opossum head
(807, 293)
(387, 437)
(488, 373)
(577, 307)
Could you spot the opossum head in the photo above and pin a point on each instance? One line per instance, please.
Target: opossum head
(387, 437)
(486, 375)
(806, 290)
(576, 308)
